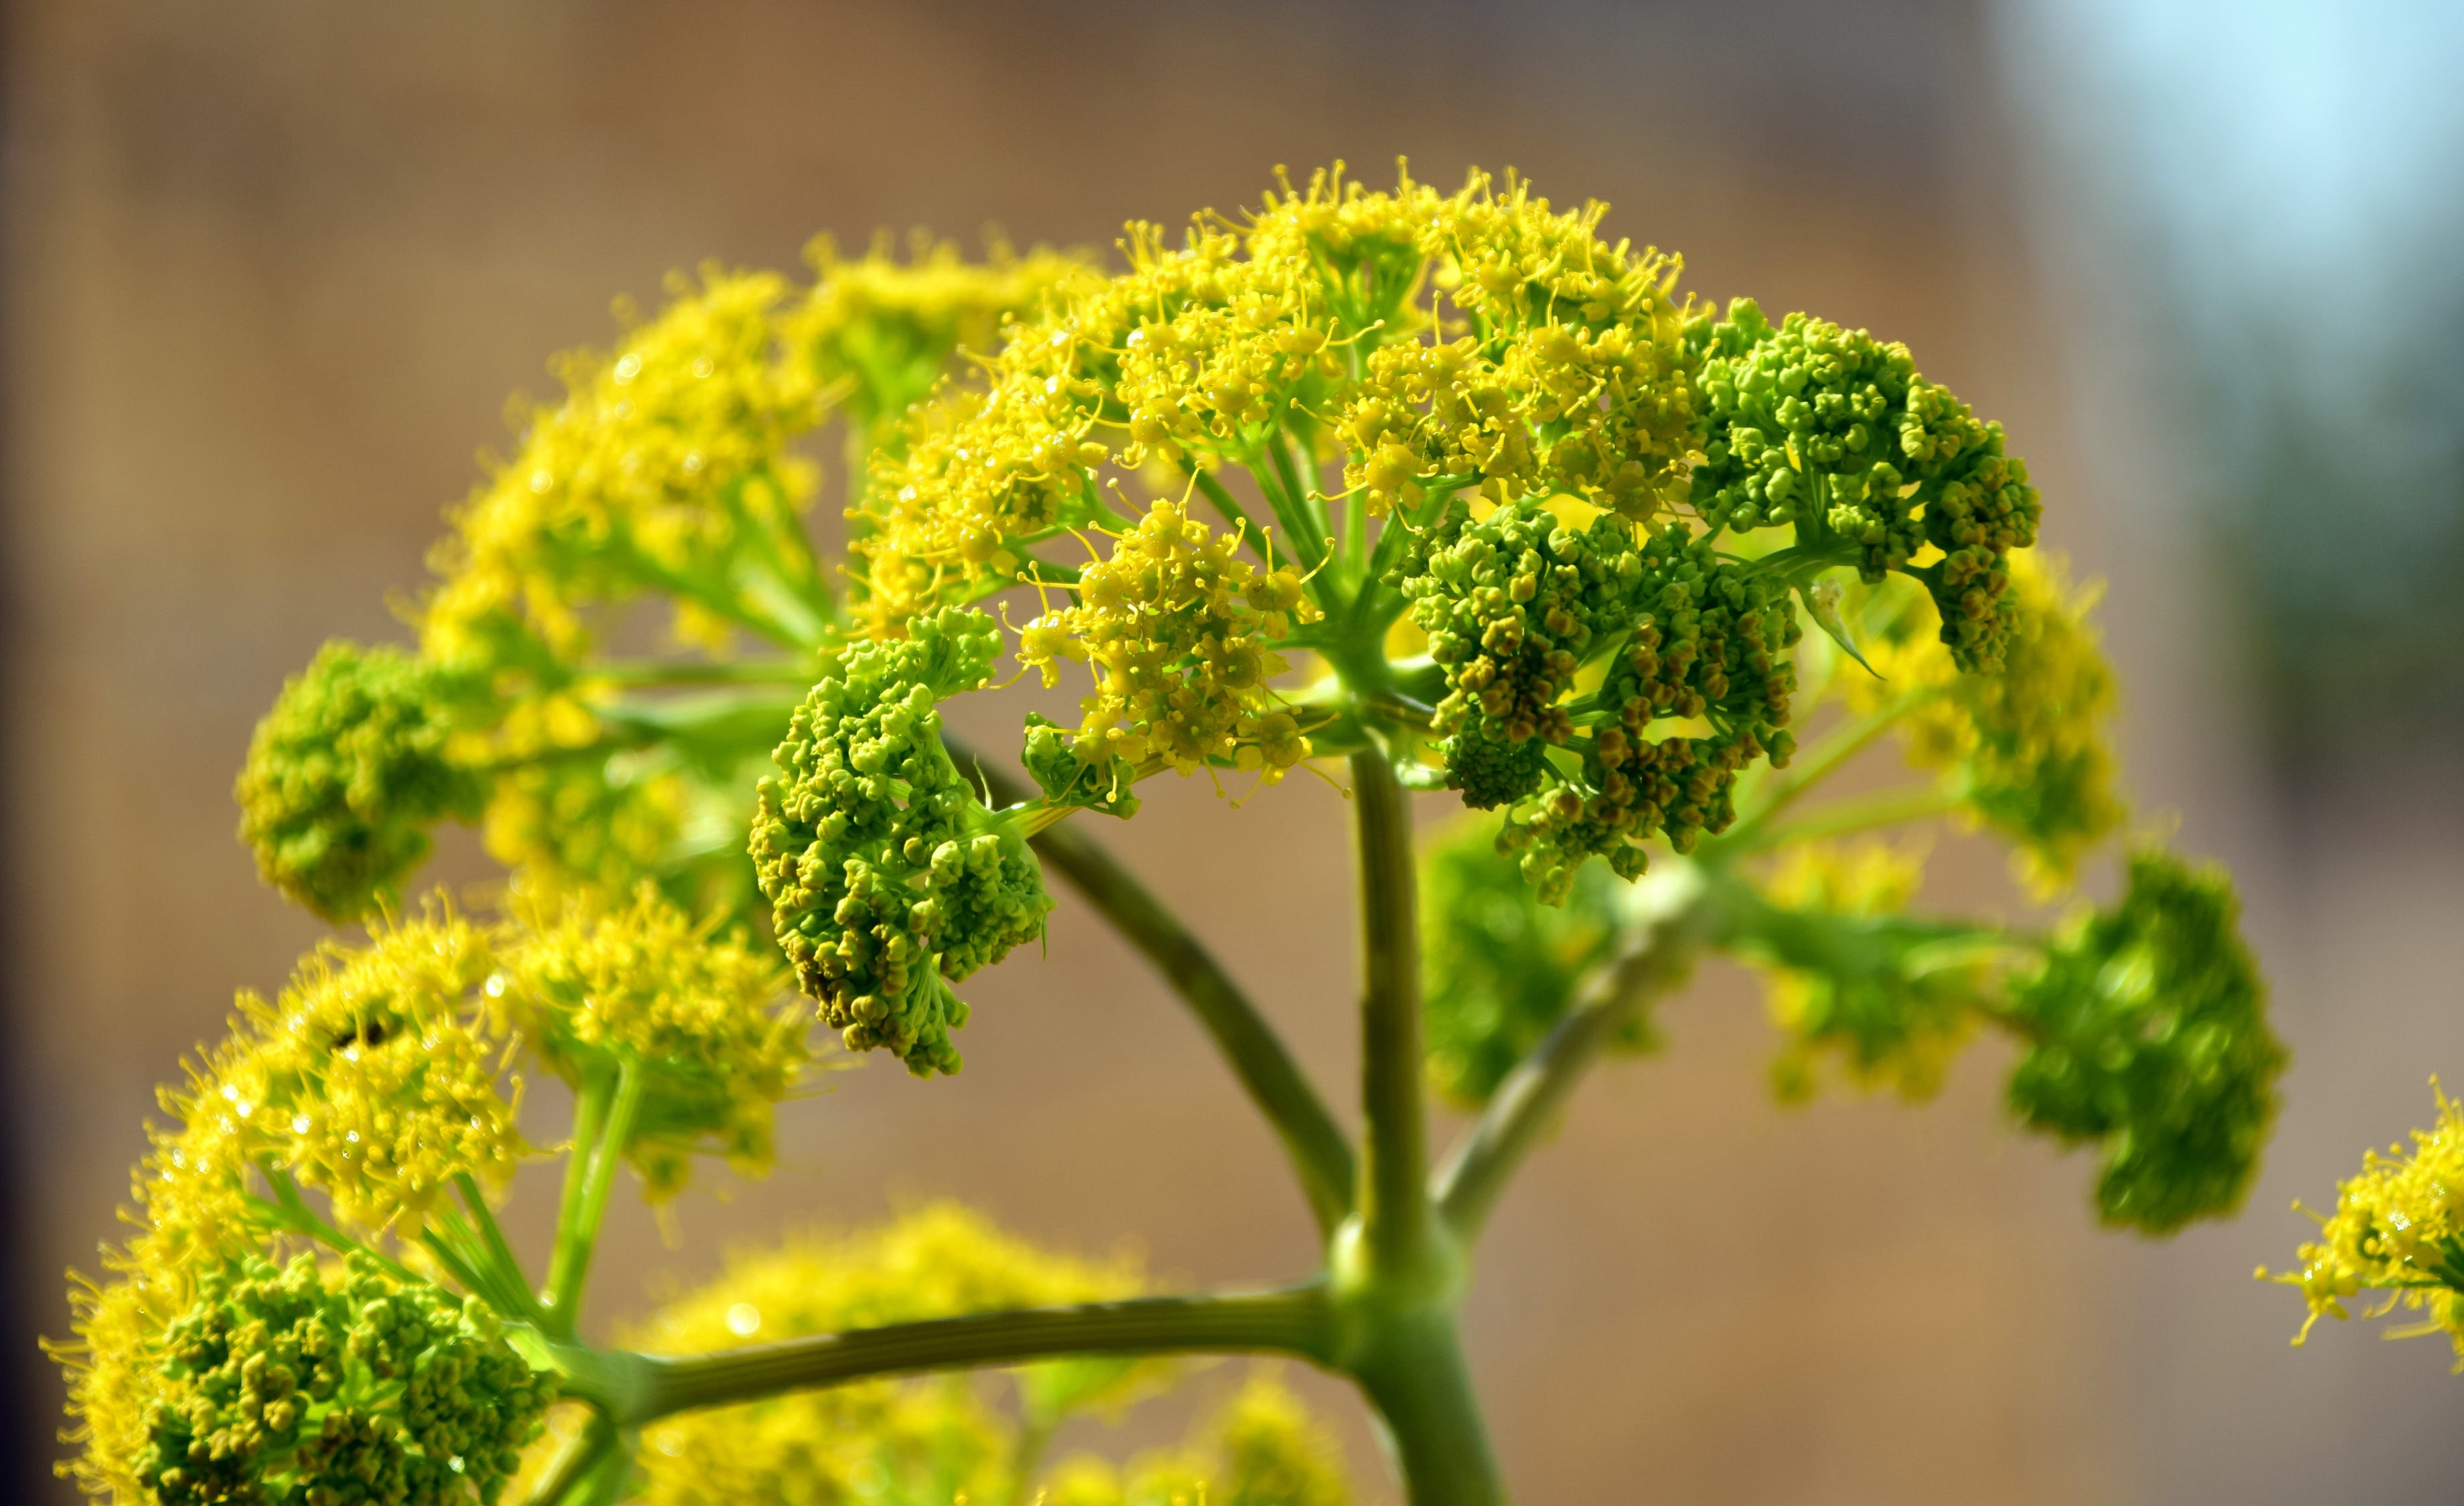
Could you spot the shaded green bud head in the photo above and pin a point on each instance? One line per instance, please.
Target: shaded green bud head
(347, 774)
(1604, 684)
(886, 877)
(696, 1010)
(313, 1384)
(2151, 1039)
(896, 1440)
(1500, 968)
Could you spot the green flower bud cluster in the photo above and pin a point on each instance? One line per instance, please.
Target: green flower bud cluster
(884, 872)
(1518, 603)
(1708, 643)
(295, 1387)
(2143, 1024)
(1513, 605)
(1834, 432)
(1500, 968)
(2149, 1037)
(347, 773)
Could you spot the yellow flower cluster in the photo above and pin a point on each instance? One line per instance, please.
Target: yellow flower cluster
(2398, 1228)
(1551, 364)
(381, 1078)
(375, 1077)
(667, 475)
(2023, 748)
(1262, 1450)
(880, 330)
(698, 1012)
(1569, 377)
(665, 469)
(893, 1440)
(1177, 627)
(1844, 989)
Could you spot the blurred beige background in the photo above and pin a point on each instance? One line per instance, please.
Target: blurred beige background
(274, 268)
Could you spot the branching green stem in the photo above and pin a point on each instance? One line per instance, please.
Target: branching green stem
(635, 1388)
(1810, 767)
(506, 1268)
(1320, 1152)
(1654, 955)
(289, 1210)
(1861, 814)
(579, 1465)
(653, 673)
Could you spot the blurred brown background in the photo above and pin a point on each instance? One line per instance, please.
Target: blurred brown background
(272, 271)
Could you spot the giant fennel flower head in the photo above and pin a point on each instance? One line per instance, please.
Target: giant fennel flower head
(2148, 1038)
(1569, 463)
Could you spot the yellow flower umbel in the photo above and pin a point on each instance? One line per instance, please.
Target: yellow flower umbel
(697, 1014)
(1306, 336)
(2023, 748)
(378, 1079)
(1178, 629)
(1264, 1449)
(2398, 1228)
(902, 1441)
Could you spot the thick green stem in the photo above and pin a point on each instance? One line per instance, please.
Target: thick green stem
(1653, 955)
(1320, 1153)
(635, 1390)
(1394, 1201)
(1414, 1375)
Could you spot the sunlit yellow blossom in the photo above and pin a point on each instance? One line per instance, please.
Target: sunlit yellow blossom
(1263, 1449)
(2024, 748)
(664, 469)
(1178, 629)
(697, 1013)
(919, 1440)
(2398, 1228)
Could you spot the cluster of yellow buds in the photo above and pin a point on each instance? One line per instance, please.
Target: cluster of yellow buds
(2398, 1233)
(1178, 629)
